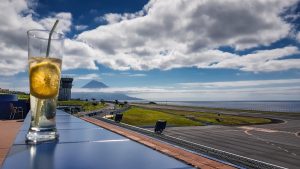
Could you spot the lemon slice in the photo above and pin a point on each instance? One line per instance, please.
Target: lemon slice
(44, 80)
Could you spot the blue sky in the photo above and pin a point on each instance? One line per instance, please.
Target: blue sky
(164, 50)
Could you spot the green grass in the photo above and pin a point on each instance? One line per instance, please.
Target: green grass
(86, 105)
(144, 117)
(229, 119)
(23, 96)
(210, 109)
(223, 119)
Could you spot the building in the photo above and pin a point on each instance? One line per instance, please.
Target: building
(4, 90)
(65, 88)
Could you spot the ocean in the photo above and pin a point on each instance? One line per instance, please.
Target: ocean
(276, 106)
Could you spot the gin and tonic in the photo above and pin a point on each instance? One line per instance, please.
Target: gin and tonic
(44, 82)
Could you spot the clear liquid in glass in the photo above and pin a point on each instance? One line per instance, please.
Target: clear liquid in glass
(44, 79)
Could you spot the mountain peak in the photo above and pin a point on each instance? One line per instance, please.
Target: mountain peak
(95, 84)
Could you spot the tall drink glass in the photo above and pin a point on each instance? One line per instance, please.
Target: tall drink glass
(44, 79)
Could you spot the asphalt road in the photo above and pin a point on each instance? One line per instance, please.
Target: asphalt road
(277, 144)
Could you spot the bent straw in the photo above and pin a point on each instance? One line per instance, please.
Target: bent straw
(50, 35)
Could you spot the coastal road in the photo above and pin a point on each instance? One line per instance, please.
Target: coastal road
(277, 144)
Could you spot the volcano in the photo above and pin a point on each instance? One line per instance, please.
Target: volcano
(94, 84)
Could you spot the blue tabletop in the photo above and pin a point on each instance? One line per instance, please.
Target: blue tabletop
(83, 145)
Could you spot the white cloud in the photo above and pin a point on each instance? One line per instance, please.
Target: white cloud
(158, 38)
(81, 27)
(127, 90)
(243, 90)
(112, 18)
(14, 83)
(92, 76)
(108, 74)
(279, 94)
(263, 60)
(137, 75)
(235, 84)
(298, 37)
(133, 74)
(78, 55)
(15, 19)
(65, 21)
(125, 73)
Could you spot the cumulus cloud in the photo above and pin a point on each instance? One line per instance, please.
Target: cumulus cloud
(13, 43)
(158, 38)
(92, 76)
(137, 75)
(81, 27)
(112, 18)
(14, 83)
(108, 74)
(78, 55)
(133, 74)
(278, 93)
(263, 60)
(298, 37)
(65, 21)
(280, 89)
(15, 19)
(126, 90)
(237, 84)
(188, 34)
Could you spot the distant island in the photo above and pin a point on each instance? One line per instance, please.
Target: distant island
(94, 84)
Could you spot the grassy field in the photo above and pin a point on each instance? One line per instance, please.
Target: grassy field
(229, 119)
(86, 105)
(20, 96)
(214, 118)
(228, 110)
(23, 96)
(146, 117)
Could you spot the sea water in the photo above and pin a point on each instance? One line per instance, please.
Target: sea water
(277, 106)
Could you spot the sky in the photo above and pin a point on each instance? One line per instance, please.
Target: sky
(195, 50)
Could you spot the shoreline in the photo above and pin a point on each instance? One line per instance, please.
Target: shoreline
(214, 109)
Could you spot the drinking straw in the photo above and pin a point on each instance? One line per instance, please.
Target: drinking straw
(39, 101)
(50, 35)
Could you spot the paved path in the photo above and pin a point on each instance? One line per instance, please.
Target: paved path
(8, 132)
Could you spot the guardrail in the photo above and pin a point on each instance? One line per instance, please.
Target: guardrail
(216, 154)
(105, 111)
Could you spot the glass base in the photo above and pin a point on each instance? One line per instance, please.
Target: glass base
(35, 137)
